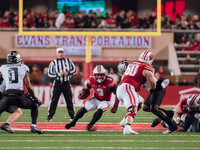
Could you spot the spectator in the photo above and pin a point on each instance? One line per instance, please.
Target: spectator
(197, 78)
(188, 59)
(45, 78)
(113, 75)
(36, 75)
(120, 19)
(160, 72)
(77, 77)
(60, 20)
(69, 21)
(182, 40)
(195, 46)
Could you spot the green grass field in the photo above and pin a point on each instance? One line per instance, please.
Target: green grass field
(98, 139)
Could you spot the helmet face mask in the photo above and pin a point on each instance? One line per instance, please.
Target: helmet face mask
(99, 73)
(13, 58)
(146, 57)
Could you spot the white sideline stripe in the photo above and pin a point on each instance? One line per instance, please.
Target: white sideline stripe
(104, 135)
(104, 141)
(152, 148)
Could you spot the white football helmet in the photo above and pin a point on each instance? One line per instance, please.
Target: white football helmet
(146, 57)
(99, 73)
(193, 100)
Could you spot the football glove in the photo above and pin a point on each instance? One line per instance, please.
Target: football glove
(114, 108)
(34, 99)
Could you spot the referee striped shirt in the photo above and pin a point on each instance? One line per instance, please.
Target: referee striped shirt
(61, 65)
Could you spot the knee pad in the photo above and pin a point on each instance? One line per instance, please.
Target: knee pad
(131, 112)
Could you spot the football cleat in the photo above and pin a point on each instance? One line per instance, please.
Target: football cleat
(49, 119)
(69, 125)
(89, 128)
(6, 127)
(155, 122)
(128, 130)
(35, 129)
(167, 131)
(123, 122)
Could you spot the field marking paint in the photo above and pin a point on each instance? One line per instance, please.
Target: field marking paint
(104, 141)
(152, 148)
(104, 135)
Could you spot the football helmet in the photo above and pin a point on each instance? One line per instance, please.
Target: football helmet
(146, 57)
(13, 58)
(193, 100)
(122, 67)
(99, 73)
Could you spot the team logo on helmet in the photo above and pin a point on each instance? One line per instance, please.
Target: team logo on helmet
(193, 100)
(99, 73)
(13, 57)
(146, 57)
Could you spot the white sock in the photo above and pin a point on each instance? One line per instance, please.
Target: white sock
(33, 125)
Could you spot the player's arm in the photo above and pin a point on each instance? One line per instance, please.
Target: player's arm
(85, 92)
(28, 84)
(0, 75)
(30, 94)
(115, 106)
(177, 113)
(150, 79)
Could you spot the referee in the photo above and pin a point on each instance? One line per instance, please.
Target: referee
(61, 69)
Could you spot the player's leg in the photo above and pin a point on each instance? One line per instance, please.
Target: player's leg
(27, 103)
(147, 102)
(154, 108)
(54, 100)
(102, 106)
(89, 106)
(68, 99)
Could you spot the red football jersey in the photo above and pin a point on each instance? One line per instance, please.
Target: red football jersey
(184, 108)
(134, 74)
(102, 91)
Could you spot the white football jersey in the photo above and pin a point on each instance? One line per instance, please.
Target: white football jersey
(2, 86)
(14, 74)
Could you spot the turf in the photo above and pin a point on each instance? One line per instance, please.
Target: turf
(98, 139)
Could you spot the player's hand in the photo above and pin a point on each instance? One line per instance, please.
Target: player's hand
(114, 108)
(84, 93)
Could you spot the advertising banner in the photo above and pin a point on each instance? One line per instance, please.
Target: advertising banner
(173, 95)
(78, 41)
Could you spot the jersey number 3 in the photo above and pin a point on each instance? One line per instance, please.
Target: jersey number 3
(131, 70)
(13, 75)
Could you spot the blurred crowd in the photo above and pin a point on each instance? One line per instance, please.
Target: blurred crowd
(122, 19)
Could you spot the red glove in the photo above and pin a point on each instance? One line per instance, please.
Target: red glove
(114, 108)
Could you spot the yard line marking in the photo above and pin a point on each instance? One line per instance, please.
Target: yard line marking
(61, 135)
(152, 148)
(104, 141)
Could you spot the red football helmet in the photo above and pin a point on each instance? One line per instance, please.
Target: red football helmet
(193, 100)
(99, 73)
(146, 57)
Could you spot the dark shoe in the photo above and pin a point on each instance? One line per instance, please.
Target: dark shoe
(6, 127)
(69, 125)
(49, 119)
(89, 128)
(36, 130)
(155, 122)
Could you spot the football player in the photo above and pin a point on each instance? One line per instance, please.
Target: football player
(136, 74)
(15, 75)
(103, 86)
(152, 101)
(14, 110)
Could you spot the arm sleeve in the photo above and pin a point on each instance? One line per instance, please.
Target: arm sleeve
(72, 67)
(52, 72)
